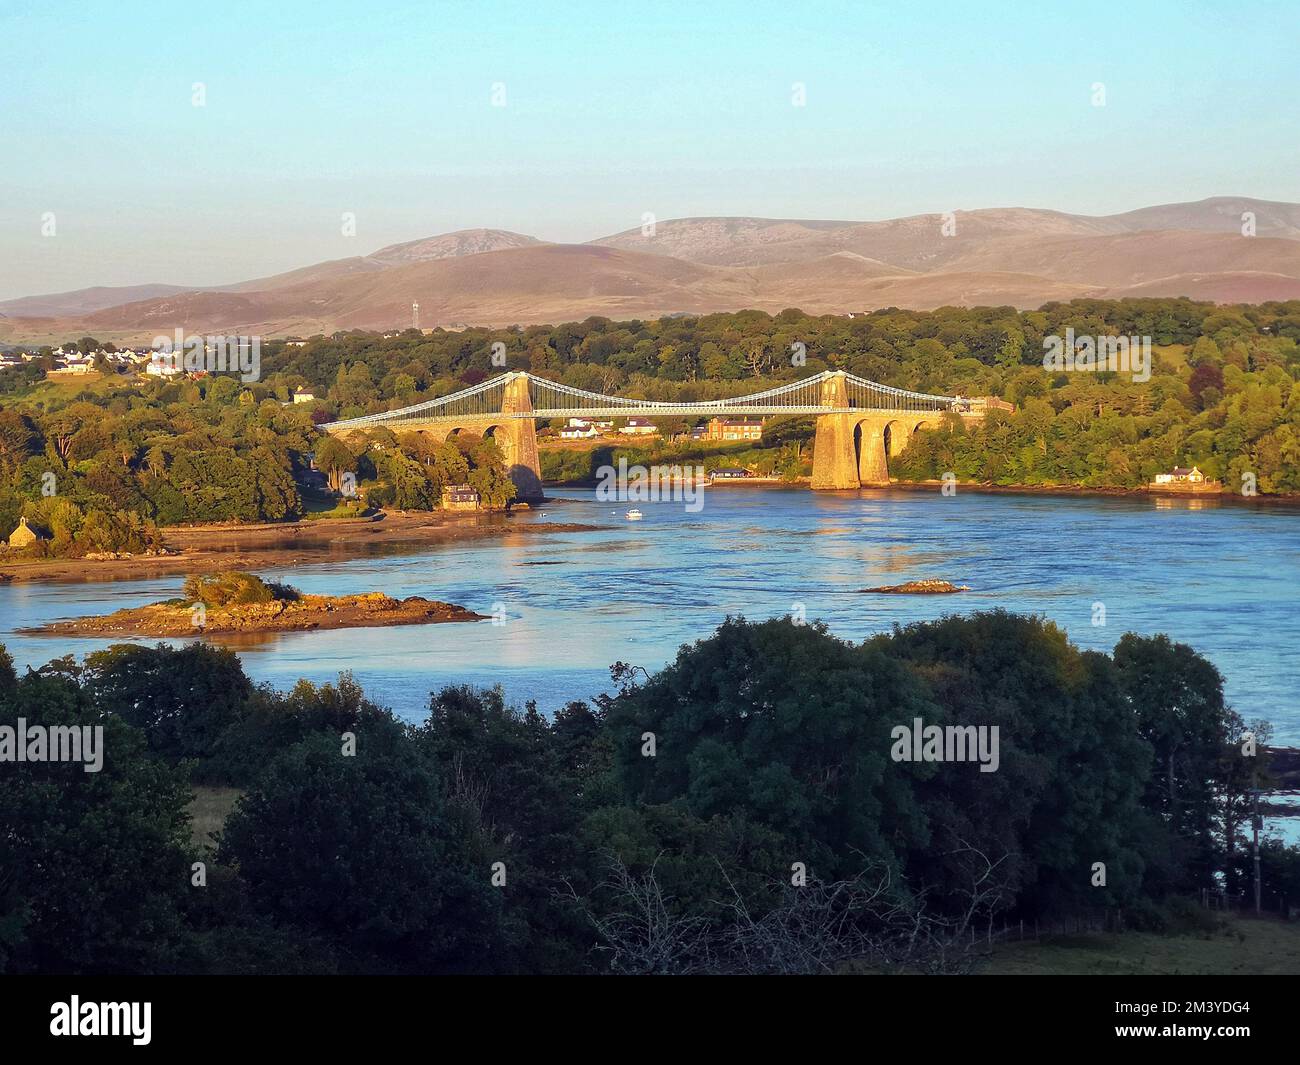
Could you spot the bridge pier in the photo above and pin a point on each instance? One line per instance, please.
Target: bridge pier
(873, 465)
(835, 460)
(518, 440)
(850, 450)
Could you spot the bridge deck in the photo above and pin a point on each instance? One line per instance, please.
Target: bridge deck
(501, 399)
(657, 410)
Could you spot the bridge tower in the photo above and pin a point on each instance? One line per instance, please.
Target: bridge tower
(517, 438)
(835, 460)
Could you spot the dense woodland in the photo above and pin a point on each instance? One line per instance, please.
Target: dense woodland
(488, 838)
(102, 467)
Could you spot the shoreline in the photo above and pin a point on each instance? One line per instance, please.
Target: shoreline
(271, 545)
(986, 487)
(1113, 493)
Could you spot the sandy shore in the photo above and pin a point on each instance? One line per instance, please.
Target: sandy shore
(208, 548)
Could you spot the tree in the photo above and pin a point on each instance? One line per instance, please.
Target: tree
(361, 849)
(1176, 698)
(181, 699)
(409, 481)
(737, 731)
(95, 864)
(1069, 782)
(519, 783)
(494, 486)
(1206, 384)
(334, 457)
(17, 438)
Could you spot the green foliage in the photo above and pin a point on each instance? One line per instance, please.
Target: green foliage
(739, 732)
(362, 850)
(95, 865)
(519, 784)
(129, 457)
(1067, 789)
(182, 699)
(234, 588)
(1177, 704)
(365, 845)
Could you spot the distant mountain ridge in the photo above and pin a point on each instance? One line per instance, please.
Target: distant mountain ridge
(1018, 256)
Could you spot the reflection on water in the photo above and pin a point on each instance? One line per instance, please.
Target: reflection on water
(1222, 578)
(1171, 503)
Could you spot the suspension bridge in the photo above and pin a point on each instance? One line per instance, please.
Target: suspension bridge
(860, 424)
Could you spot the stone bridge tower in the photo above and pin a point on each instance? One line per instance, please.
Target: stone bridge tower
(517, 438)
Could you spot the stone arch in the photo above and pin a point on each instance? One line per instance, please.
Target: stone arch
(897, 434)
(869, 450)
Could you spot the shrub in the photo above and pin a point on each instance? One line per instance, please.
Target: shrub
(231, 588)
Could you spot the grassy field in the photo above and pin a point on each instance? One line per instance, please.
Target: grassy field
(209, 809)
(62, 389)
(1244, 945)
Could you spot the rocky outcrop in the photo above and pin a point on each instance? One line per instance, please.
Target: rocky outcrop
(923, 587)
(178, 618)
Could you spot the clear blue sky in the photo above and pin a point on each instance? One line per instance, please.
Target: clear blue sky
(612, 109)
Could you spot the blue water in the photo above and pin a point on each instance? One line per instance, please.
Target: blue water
(1221, 577)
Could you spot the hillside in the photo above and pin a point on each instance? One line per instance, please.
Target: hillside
(1021, 257)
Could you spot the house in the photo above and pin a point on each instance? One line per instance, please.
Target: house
(729, 473)
(25, 535)
(734, 429)
(71, 369)
(303, 394)
(584, 429)
(1181, 475)
(163, 367)
(639, 427)
(460, 497)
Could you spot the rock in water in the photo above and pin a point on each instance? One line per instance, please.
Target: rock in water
(925, 587)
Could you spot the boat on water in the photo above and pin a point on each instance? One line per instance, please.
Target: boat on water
(634, 515)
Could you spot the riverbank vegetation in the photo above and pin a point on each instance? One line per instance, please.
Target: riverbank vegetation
(100, 467)
(742, 810)
(785, 452)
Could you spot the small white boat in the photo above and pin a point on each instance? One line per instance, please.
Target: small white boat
(634, 515)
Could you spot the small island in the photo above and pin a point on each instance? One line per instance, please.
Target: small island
(922, 587)
(233, 603)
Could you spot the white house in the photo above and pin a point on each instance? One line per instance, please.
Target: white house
(304, 395)
(1181, 475)
(162, 368)
(638, 427)
(70, 369)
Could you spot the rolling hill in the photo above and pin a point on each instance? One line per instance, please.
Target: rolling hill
(1018, 256)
